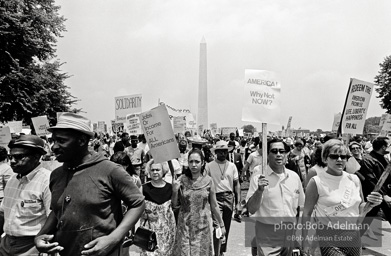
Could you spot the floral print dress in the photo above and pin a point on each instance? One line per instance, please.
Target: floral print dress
(194, 235)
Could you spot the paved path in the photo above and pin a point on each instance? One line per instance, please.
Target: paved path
(236, 246)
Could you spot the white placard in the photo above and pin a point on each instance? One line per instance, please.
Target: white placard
(336, 122)
(158, 132)
(261, 97)
(41, 124)
(179, 124)
(15, 126)
(133, 126)
(356, 107)
(125, 105)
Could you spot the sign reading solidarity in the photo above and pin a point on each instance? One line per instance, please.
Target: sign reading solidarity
(261, 99)
(356, 106)
(125, 105)
(158, 132)
(41, 124)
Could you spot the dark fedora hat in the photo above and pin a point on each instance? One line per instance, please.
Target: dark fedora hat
(29, 141)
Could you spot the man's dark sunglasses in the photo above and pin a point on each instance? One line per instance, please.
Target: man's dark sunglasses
(17, 157)
(275, 151)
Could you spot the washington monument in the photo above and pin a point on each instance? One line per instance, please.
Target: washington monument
(202, 116)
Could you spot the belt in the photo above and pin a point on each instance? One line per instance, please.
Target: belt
(223, 193)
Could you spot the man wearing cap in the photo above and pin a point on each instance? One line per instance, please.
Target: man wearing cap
(136, 155)
(87, 191)
(26, 203)
(226, 179)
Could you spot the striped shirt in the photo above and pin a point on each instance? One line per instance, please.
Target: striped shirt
(26, 203)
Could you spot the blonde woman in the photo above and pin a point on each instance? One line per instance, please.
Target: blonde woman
(335, 196)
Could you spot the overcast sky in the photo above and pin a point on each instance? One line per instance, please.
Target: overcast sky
(121, 47)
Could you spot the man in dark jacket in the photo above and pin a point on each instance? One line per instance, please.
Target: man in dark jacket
(372, 167)
(87, 191)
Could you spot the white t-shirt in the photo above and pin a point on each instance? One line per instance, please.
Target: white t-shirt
(223, 175)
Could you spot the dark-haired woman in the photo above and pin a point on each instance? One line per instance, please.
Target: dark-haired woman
(319, 166)
(195, 191)
(120, 157)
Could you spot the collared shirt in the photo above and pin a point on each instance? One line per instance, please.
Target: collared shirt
(223, 175)
(26, 203)
(254, 159)
(281, 197)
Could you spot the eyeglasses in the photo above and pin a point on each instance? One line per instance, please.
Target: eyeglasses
(275, 151)
(355, 148)
(17, 157)
(336, 156)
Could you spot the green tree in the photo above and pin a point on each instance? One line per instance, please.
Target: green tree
(383, 82)
(31, 83)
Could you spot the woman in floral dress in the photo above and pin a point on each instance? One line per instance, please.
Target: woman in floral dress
(193, 192)
(158, 213)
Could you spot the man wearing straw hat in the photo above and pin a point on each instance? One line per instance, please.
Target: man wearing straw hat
(274, 192)
(26, 203)
(226, 179)
(87, 191)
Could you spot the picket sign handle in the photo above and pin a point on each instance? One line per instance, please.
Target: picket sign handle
(264, 148)
(171, 167)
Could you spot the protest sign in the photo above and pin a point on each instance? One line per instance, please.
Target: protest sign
(386, 127)
(179, 124)
(241, 134)
(356, 106)
(201, 129)
(213, 128)
(133, 126)
(173, 112)
(41, 124)
(5, 136)
(261, 98)
(101, 126)
(117, 127)
(159, 134)
(288, 126)
(190, 121)
(125, 105)
(337, 120)
(95, 127)
(228, 130)
(15, 126)
(383, 119)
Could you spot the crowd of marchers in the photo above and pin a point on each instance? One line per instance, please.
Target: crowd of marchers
(106, 186)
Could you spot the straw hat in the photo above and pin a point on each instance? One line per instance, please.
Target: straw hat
(75, 122)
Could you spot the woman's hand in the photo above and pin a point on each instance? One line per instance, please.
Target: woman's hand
(176, 185)
(375, 198)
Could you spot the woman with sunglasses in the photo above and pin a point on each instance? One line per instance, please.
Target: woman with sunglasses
(334, 198)
(194, 194)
